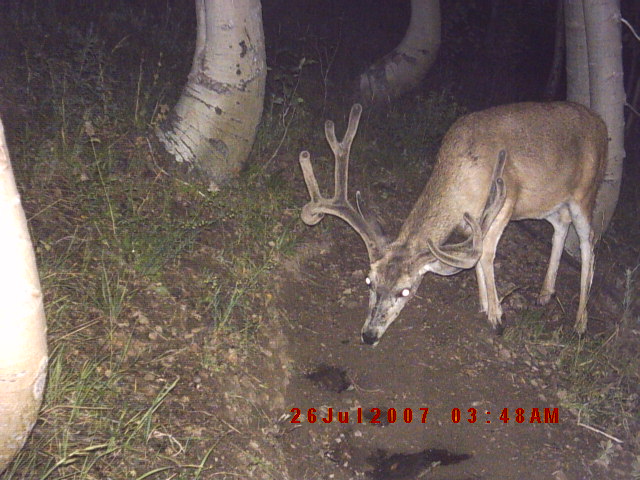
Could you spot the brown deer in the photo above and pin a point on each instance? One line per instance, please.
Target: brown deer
(556, 159)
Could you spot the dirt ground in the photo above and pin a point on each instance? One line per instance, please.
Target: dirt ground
(439, 355)
(176, 395)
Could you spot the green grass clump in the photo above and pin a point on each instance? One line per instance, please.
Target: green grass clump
(599, 374)
(152, 285)
(138, 267)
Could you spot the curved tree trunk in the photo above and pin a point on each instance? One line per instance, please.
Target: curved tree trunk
(403, 68)
(213, 125)
(23, 345)
(595, 79)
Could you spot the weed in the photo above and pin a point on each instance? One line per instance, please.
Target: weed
(599, 384)
(135, 265)
(151, 283)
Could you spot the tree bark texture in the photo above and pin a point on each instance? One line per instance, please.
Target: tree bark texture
(23, 345)
(577, 59)
(405, 66)
(595, 79)
(213, 125)
(559, 48)
(604, 44)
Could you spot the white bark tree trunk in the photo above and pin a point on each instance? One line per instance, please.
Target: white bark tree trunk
(23, 345)
(405, 66)
(604, 44)
(559, 50)
(595, 79)
(577, 60)
(213, 125)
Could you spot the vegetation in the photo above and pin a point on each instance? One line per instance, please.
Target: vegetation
(598, 376)
(154, 286)
(134, 262)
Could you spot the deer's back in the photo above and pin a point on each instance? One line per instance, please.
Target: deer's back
(555, 151)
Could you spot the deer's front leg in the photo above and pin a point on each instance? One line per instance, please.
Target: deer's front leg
(484, 269)
(482, 287)
(493, 310)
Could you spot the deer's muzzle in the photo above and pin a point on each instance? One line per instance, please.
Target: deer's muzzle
(369, 338)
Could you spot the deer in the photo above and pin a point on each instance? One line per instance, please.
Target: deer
(506, 163)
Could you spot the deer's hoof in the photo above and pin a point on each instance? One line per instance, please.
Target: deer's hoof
(497, 329)
(544, 298)
(581, 324)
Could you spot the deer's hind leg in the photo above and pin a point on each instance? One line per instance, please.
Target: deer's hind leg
(582, 223)
(560, 219)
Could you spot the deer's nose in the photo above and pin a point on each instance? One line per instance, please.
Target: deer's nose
(369, 338)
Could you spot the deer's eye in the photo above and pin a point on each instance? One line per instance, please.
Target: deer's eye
(405, 292)
(367, 281)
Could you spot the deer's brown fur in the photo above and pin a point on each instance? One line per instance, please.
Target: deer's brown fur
(555, 160)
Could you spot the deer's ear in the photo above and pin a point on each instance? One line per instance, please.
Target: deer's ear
(426, 262)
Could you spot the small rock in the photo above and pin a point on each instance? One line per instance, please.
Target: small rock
(504, 353)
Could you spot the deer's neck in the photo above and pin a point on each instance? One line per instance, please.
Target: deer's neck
(434, 216)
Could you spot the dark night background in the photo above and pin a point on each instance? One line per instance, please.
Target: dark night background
(149, 279)
(492, 51)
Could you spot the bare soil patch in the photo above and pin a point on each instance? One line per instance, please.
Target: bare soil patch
(440, 355)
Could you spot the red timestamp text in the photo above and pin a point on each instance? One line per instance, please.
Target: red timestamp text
(407, 415)
(517, 415)
(360, 415)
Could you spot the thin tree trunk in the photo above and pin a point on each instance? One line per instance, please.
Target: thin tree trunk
(634, 95)
(23, 345)
(402, 69)
(577, 60)
(604, 44)
(555, 73)
(213, 125)
(633, 73)
(577, 80)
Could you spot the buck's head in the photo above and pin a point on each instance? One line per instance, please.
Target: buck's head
(394, 278)
(397, 268)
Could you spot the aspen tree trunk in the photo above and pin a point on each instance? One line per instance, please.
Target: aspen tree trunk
(405, 66)
(594, 78)
(213, 125)
(23, 345)
(577, 60)
(559, 49)
(604, 44)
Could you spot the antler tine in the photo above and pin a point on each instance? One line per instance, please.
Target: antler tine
(310, 180)
(461, 255)
(339, 204)
(342, 149)
(497, 194)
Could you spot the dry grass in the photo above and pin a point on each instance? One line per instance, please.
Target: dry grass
(156, 288)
